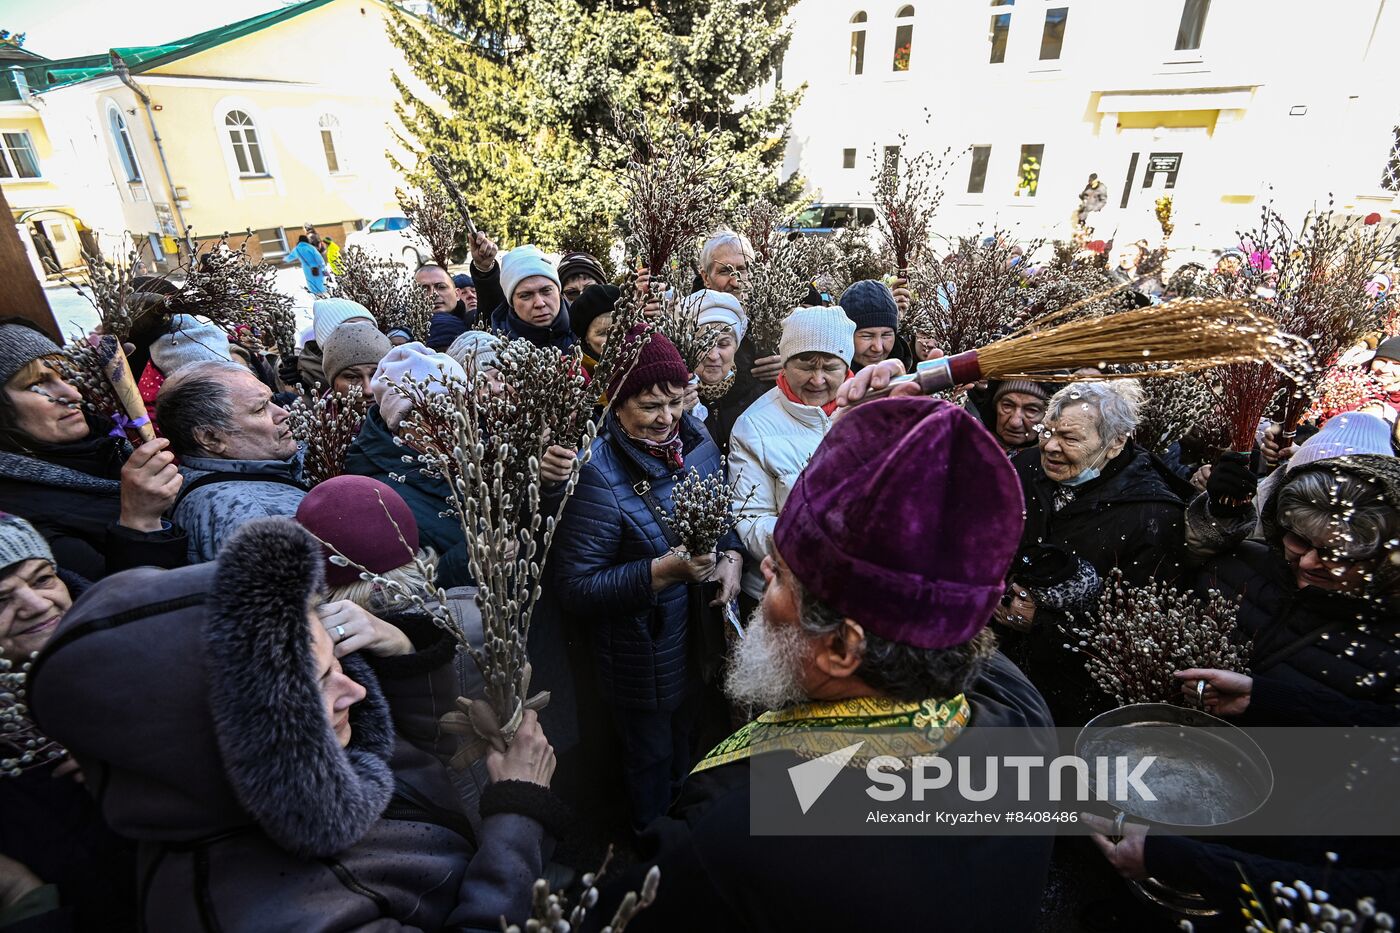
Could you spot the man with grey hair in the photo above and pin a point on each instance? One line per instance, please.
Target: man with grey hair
(1095, 503)
(724, 267)
(236, 451)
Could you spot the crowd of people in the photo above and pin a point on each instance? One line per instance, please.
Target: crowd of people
(250, 729)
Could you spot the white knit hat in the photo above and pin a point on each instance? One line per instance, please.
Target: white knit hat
(412, 360)
(818, 330)
(190, 341)
(478, 345)
(329, 313)
(521, 263)
(719, 308)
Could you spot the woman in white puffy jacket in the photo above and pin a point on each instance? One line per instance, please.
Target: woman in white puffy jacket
(773, 440)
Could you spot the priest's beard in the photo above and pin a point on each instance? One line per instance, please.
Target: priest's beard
(766, 670)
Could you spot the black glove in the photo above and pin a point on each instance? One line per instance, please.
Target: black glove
(1231, 486)
(1043, 565)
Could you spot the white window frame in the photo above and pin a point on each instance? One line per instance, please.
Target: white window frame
(854, 26)
(329, 122)
(246, 143)
(907, 19)
(239, 183)
(125, 145)
(12, 175)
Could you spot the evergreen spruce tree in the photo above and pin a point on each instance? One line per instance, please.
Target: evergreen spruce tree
(531, 87)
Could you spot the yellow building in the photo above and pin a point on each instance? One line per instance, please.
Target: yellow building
(265, 124)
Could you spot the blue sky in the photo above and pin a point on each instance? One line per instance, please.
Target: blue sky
(61, 28)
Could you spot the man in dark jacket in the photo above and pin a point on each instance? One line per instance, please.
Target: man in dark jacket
(1095, 502)
(860, 624)
(532, 304)
(453, 313)
(324, 811)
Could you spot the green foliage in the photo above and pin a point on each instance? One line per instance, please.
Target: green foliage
(531, 88)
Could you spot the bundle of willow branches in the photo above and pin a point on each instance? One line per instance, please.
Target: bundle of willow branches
(226, 286)
(907, 194)
(22, 745)
(1247, 393)
(1319, 278)
(758, 221)
(488, 447)
(550, 911)
(674, 183)
(327, 425)
(974, 295)
(702, 510)
(81, 366)
(679, 321)
(109, 290)
(1141, 635)
(1086, 288)
(384, 290)
(435, 219)
(627, 334)
(1301, 908)
(1175, 405)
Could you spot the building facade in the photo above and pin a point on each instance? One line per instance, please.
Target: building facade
(1223, 105)
(263, 125)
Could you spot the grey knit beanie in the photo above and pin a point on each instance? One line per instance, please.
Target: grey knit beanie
(353, 343)
(19, 542)
(19, 346)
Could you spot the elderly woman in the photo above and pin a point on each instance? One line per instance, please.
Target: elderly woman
(621, 570)
(321, 811)
(723, 397)
(1095, 502)
(99, 503)
(55, 851)
(773, 440)
(533, 308)
(872, 307)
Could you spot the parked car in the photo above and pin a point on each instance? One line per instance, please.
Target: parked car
(392, 239)
(826, 219)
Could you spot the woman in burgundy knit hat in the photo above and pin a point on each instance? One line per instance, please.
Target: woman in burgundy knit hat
(624, 576)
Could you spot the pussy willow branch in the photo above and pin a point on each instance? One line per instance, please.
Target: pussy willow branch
(226, 286)
(22, 745)
(327, 426)
(390, 296)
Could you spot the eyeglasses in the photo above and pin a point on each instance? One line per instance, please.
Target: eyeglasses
(1296, 544)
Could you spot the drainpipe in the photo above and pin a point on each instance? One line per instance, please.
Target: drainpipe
(124, 75)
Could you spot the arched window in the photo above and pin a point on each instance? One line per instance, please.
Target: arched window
(903, 37)
(125, 150)
(243, 135)
(858, 43)
(330, 141)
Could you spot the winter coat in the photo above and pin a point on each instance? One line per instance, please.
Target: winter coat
(768, 449)
(558, 334)
(220, 763)
(1129, 518)
(716, 876)
(447, 326)
(214, 511)
(1344, 674)
(601, 563)
(375, 454)
(71, 493)
(313, 267)
(722, 413)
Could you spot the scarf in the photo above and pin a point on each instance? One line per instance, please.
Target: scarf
(556, 334)
(713, 393)
(668, 451)
(816, 729)
(792, 396)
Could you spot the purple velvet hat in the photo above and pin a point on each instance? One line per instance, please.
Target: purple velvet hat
(906, 520)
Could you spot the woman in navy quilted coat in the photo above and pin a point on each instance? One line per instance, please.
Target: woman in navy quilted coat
(643, 597)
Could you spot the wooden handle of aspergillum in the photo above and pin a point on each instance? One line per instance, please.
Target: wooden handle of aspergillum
(934, 375)
(118, 371)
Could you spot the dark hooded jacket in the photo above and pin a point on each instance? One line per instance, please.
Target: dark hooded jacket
(558, 334)
(602, 566)
(1318, 657)
(715, 875)
(375, 454)
(219, 761)
(1129, 518)
(447, 326)
(71, 493)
